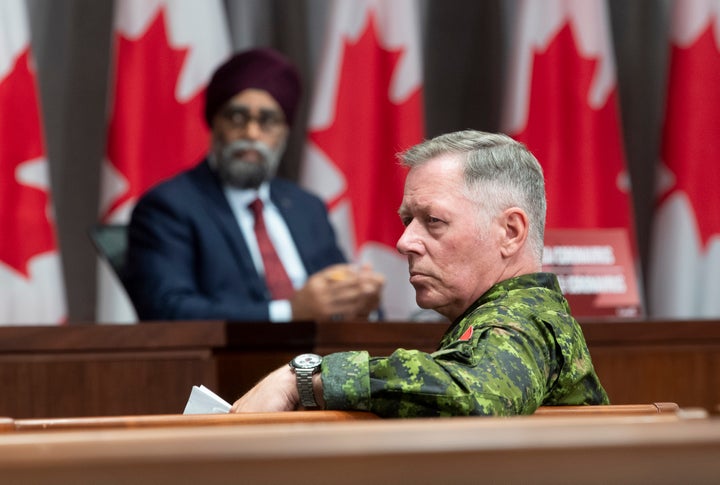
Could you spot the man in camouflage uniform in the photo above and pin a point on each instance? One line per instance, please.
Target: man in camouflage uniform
(474, 216)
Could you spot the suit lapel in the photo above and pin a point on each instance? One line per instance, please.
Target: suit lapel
(295, 220)
(218, 210)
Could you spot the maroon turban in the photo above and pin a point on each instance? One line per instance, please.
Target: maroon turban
(261, 68)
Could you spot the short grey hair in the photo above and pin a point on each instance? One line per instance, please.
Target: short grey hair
(499, 173)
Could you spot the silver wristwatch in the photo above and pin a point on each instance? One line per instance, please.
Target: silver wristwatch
(304, 366)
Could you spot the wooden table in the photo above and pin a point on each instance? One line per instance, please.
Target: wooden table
(149, 368)
(442, 450)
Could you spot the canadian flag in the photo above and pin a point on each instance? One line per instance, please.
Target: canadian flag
(165, 52)
(563, 104)
(30, 268)
(684, 273)
(367, 107)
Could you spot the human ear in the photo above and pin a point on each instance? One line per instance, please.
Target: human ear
(515, 224)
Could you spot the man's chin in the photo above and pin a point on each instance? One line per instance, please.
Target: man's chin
(423, 297)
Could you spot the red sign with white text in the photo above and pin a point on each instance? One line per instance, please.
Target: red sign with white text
(596, 271)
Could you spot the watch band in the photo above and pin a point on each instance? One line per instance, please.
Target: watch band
(305, 387)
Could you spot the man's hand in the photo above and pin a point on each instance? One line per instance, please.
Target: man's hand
(371, 284)
(339, 292)
(276, 392)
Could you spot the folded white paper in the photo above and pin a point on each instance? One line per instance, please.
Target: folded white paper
(203, 401)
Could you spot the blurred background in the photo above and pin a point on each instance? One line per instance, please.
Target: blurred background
(465, 53)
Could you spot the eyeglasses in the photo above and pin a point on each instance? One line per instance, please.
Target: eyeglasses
(268, 120)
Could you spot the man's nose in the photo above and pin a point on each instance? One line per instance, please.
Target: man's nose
(407, 241)
(253, 130)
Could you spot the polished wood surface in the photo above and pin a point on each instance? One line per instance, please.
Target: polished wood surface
(7, 424)
(149, 368)
(667, 408)
(623, 449)
(174, 420)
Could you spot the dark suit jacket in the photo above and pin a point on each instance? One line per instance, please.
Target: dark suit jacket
(187, 258)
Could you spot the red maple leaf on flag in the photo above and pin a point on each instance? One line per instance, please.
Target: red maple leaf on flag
(367, 133)
(691, 136)
(579, 147)
(152, 136)
(23, 209)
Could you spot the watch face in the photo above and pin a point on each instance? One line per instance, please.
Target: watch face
(307, 361)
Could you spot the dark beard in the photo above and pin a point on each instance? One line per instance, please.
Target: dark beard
(241, 174)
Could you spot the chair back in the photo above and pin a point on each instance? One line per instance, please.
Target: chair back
(110, 241)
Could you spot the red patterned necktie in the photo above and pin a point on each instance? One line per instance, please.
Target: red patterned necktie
(276, 278)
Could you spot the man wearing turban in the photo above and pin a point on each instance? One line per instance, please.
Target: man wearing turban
(228, 239)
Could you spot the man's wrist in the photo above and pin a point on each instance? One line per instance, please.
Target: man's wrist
(280, 311)
(305, 366)
(318, 389)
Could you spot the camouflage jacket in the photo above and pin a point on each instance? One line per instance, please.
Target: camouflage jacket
(516, 348)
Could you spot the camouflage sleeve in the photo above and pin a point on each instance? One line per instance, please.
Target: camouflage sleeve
(497, 372)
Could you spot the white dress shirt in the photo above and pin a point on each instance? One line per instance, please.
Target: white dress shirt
(239, 200)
